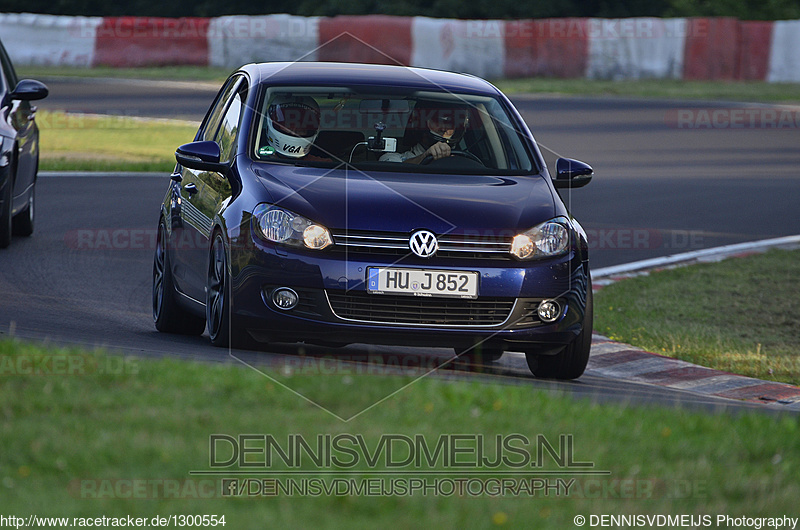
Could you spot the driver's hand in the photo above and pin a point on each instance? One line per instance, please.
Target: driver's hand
(438, 150)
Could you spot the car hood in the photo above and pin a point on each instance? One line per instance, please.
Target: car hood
(402, 202)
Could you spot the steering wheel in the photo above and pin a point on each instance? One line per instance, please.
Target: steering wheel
(466, 154)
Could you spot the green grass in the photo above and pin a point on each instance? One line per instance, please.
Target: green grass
(745, 91)
(109, 143)
(740, 315)
(175, 73)
(120, 419)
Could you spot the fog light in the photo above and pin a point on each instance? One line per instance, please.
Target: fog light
(284, 298)
(549, 311)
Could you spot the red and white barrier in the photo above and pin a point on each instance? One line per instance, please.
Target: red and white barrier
(784, 57)
(633, 48)
(470, 46)
(712, 47)
(636, 48)
(557, 47)
(373, 39)
(755, 42)
(136, 41)
(49, 40)
(237, 40)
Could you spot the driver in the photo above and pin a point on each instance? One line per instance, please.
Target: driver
(292, 126)
(445, 126)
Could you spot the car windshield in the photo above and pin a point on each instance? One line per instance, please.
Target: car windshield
(387, 130)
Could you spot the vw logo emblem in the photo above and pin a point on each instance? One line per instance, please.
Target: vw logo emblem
(423, 243)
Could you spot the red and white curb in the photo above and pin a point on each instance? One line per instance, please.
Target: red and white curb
(626, 362)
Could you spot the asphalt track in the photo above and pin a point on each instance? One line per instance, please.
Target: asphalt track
(85, 276)
(661, 186)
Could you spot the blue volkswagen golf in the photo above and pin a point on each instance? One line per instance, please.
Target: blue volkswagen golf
(350, 203)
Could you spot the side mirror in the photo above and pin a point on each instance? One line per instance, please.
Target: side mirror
(202, 156)
(572, 173)
(29, 90)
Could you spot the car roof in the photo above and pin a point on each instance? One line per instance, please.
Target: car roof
(374, 75)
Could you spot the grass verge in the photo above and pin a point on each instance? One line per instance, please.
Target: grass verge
(739, 315)
(84, 435)
(109, 143)
(171, 73)
(747, 91)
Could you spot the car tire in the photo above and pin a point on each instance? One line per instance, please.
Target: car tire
(570, 362)
(169, 317)
(5, 214)
(222, 331)
(22, 223)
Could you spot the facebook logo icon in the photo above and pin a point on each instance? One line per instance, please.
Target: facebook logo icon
(230, 487)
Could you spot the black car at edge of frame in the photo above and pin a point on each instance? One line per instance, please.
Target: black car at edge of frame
(19, 151)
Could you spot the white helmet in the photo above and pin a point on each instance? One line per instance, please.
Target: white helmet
(292, 125)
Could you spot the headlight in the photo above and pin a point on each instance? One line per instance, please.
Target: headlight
(545, 240)
(282, 226)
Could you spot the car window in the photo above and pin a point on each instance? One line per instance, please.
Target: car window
(8, 70)
(478, 129)
(211, 125)
(229, 128)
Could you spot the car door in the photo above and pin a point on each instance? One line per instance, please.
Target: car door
(21, 118)
(201, 192)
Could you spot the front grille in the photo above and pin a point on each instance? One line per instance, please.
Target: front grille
(529, 314)
(428, 311)
(450, 245)
(307, 304)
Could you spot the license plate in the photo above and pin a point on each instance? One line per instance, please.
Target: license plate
(421, 282)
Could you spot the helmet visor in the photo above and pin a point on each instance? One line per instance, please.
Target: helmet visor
(447, 125)
(294, 118)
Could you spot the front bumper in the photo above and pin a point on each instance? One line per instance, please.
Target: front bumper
(335, 306)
